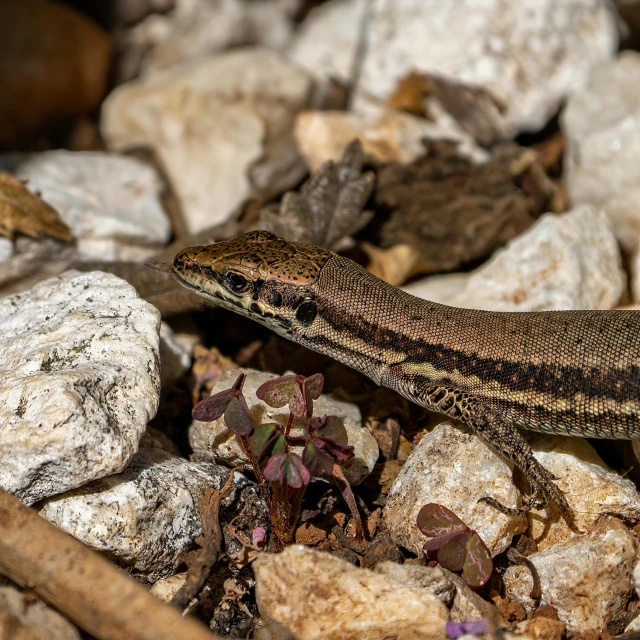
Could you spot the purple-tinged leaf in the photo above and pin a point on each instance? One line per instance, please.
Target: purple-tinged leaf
(455, 630)
(213, 407)
(236, 387)
(263, 436)
(478, 564)
(289, 467)
(330, 437)
(311, 390)
(316, 461)
(313, 386)
(439, 541)
(279, 391)
(273, 470)
(259, 537)
(452, 554)
(237, 416)
(296, 474)
(435, 520)
(332, 428)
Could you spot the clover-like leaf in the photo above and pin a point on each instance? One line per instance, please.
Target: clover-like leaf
(316, 461)
(237, 416)
(435, 520)
(287, 467)
(452, 554)
(295, 390)
(330, 436)
(478, 564)
(213, 407)
(459, 547)
(263, 435)
(282, 391)
(311, 390)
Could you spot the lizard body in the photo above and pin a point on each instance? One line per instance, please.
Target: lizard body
(564, 372)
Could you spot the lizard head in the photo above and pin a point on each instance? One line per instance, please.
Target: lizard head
(258, 275)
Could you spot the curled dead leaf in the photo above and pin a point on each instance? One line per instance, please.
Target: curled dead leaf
(24, 212)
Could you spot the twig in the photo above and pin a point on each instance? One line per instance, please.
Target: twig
(200, 562)
(81, 583)
(347, 494)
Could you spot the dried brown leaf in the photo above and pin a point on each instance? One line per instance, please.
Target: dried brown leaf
(23, 212)
(453, 212)
(476, 109)
(329, 205)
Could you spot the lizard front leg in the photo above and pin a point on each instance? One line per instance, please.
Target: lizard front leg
(506, 440)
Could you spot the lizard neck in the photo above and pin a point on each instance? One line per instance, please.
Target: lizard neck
(369, 325)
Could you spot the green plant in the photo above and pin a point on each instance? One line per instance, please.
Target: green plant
(458, 547)
(283, 474)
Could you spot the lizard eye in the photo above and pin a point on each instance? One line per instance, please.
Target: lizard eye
(237, 283)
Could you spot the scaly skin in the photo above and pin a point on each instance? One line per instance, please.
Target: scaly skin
(565, 372)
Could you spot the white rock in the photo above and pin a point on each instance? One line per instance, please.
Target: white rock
(504, 46)
(452, 467)
(602, 160)
(326, 43)
(434, 580)
(36, 619)
(147, 515)
(593, 490)
(79, 355)
(196, 28)
(108, 201)
(588, 578)
(636, 577)
(318, 596)
(386, 134)
(213, 441)
(166, 588)
(175, 358)
(215, 125)
(568, 261)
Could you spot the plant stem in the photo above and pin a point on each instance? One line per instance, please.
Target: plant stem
(257, 472)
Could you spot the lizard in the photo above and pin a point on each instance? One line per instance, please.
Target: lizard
(573, 373)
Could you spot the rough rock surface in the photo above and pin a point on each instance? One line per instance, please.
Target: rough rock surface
(166, 588)
(567, 261)
(588, 579)
(386, 135)
(146, 516)
(196, 28)
(175, 359)
(213, 441)
(79, 355)
(342, 602)
(108, 201)
(594, 491)
(602, 160)
(26, 617)
(454, 468)
(503, 46)
(339, 20)
(221, 126)
(434, 580)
